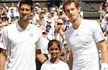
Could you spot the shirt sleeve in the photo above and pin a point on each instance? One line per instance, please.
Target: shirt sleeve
(4, 39)
(97, 32)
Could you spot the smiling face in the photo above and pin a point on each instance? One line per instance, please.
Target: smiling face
(54, 50)
(25, 12)
(72, 11)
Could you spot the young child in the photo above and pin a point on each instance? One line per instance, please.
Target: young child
(54, 63)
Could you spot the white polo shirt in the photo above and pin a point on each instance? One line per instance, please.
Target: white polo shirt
(82, 42)
(21, 46)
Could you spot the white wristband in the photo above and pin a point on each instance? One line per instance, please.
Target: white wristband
(104, 66)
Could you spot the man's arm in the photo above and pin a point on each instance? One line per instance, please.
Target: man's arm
(104, 51)
(2, 59)
(40, 56)
(70, 62)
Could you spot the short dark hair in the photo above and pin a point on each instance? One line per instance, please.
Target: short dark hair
(66, 2)
(29, 2)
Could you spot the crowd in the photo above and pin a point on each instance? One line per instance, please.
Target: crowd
(104, 17)
(55, 23)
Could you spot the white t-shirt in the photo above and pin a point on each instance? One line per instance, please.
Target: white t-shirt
(50, 66)
(21, 46)
(82, 42)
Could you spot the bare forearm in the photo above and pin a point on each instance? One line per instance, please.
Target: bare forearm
(2, 61)
(41, 57)
(70, 62)
(104, 55)
(104, 51)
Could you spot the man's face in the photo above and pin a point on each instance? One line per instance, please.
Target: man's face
(72, 11)
(25, 12)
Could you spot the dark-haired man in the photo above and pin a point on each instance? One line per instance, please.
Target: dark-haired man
(20, 41)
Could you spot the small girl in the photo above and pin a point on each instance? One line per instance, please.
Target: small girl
(54, 63)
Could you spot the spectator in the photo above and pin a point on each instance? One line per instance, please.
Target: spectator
(102, 8)
(104, 23)
(4, 9)
(5, 20)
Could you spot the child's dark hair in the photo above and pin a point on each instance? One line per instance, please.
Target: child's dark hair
(54, 41)
(29, 2)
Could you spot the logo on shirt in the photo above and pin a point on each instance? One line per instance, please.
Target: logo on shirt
(1, 41)
(31, 35)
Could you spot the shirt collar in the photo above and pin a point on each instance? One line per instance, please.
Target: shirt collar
(20, 29)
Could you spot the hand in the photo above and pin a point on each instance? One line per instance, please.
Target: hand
(104, 66)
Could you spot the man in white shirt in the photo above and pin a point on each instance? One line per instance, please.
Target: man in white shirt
(82, 39)
(20, 42)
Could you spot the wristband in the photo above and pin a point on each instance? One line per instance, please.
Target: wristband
(104, 66)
